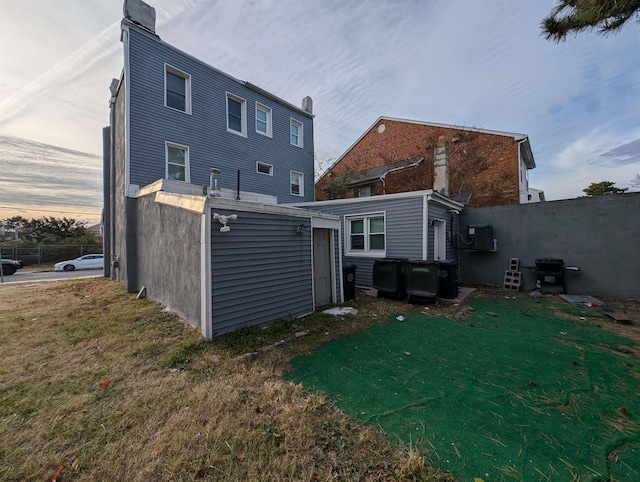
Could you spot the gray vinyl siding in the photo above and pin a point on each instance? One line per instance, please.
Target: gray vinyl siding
(403, 230)
(205, 130)
(260, 271)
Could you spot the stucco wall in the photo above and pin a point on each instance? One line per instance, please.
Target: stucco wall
(168, 264)
(599, 235)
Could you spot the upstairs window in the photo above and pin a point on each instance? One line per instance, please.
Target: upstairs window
(297, 183)
(177, 162)
(263, 120)
(365, 191)
(264, 168)
(366, 234)
(296, 133)
(236, 115)
(177, 89)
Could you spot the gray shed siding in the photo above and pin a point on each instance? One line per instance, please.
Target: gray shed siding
(337, 272)
(168, 261)
(261, 271)
(205, 130)
(403, 230)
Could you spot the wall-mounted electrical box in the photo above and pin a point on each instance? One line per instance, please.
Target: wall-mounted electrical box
(481, 238)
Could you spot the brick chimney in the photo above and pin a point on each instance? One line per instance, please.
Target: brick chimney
(441, 167)
(140, 13)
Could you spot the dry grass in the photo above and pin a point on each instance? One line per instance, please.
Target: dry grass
(97, 385)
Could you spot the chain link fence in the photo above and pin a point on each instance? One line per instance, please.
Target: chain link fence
(48, 253)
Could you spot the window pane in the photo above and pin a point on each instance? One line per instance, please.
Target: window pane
(357, 241)
(176, 156)
(376, 225)
(376, 241)
(176, 172)
(235, 107)
(296, 181)
(234, 123)
(261, 115)
(176, 101)
(261, 126)
(295, 133)
(176, 84)
(357, 226)
(176, 91)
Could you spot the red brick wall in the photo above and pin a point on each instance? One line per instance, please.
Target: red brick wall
(485, 164)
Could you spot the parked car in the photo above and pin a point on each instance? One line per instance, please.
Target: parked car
(10, 266)
(88, 261)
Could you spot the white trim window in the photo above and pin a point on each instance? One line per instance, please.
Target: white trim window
(264, 168)
(297, 183)
(296, 133)
(366, 234)
(177, 89)
(263, 120)
(236, 115)
(177, 165)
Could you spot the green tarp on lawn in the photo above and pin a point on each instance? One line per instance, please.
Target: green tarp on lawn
(522, 395)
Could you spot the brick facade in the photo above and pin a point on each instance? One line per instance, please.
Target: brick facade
(485, 164)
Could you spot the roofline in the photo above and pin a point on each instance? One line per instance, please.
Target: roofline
(247, 84)
(429, 193)
(516, 136)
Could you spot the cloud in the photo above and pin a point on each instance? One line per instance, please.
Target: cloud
(81, 61)
(628, 153)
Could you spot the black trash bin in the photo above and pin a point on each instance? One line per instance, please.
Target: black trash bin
(448, 279)
(349, 280)
(422, 281)
(389, 277)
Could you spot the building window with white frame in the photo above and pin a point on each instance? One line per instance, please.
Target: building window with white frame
(296, 133)
(297, 183)
(263, 120)
(236, 115)
(366, 234)
(177, 89)
(264, 168)
(177, 162)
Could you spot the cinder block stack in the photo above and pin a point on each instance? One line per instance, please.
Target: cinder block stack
(513, 277)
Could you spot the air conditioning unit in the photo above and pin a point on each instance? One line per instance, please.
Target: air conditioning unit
(481, 238)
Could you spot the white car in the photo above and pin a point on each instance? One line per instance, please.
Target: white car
(88, 261)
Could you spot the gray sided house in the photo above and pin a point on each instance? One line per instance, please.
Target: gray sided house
(189, 147)
(418, 225)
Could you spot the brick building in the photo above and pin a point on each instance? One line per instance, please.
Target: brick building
(478, 167)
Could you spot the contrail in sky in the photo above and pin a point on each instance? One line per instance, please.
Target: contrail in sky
(80, 61)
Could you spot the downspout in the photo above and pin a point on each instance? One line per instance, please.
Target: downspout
(106, 194)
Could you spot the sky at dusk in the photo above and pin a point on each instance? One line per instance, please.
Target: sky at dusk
(463, 62)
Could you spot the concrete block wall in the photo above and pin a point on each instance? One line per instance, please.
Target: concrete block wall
(600, 235)
(498, 184)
